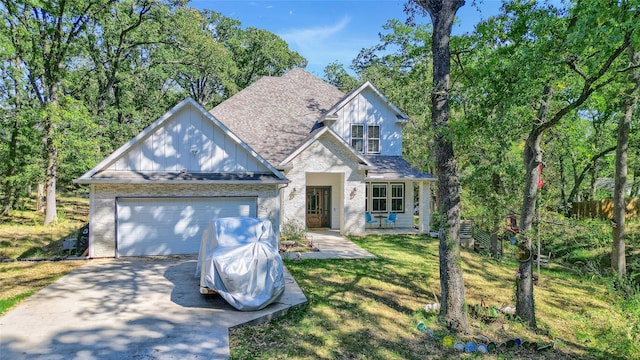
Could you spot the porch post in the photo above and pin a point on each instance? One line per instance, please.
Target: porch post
(424, 195)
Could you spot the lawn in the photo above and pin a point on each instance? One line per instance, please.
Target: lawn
(369, 309)
(22, 236)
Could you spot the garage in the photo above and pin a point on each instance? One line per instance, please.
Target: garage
(172, 225)
(156, 194)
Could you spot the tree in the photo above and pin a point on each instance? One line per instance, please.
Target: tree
(258, 53)
(45, 37)
(198, 59)
(336, 75)
(442, 13)
(618, 259)
(554, 63)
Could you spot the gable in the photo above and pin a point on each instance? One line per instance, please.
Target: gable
(325, 151)
(186, 140)
(368, 107)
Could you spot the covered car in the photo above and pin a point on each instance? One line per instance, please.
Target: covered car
(239, 259)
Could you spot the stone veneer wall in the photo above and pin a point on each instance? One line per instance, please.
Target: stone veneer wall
(102, 231)
(327, 155)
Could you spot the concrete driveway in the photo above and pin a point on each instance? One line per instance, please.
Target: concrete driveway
(129, 308)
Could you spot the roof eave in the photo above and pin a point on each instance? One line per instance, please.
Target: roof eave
(398, 178)
(315, 137)
(139, 181)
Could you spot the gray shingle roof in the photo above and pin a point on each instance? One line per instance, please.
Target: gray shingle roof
(274, 115)
(387, 167)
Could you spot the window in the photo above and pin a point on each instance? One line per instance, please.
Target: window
(366, 198)
(373, 137)
(357, 137)
(365, 139)
(386, 197)
(397, 197)
(379, 198)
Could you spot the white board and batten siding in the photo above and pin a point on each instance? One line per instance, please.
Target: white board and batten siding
(188, 142)
(172, 225)
(367, 108)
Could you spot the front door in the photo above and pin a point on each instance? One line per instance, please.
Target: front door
(318, 206)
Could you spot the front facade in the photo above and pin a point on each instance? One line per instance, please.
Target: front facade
(289, 149)
(342, 153)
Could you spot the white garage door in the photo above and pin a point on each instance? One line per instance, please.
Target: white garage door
(165, 226)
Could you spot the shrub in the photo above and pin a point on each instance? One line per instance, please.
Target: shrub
(293, 230)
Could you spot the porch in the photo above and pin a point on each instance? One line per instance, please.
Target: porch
(392, 231)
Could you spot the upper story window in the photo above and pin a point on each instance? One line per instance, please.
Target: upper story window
(357, 137)
(365, 139)
(373, 139)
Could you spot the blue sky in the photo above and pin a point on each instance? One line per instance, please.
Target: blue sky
(326, 31)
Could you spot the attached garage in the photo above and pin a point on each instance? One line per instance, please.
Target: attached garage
(157, 194)
(172, 225)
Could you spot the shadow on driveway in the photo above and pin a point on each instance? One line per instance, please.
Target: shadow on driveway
(128, 308)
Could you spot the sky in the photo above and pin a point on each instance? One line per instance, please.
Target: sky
(327, 31)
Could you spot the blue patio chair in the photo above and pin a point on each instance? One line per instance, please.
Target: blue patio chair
(391, 220)
(370, 219)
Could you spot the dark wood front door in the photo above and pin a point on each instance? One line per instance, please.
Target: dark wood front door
(318, 206)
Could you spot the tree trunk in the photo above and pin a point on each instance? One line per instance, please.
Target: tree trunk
(9, 185)
(525, 307)
(618, 260)
(494, 235)
(532, 157)
(594, 179)
(51, 173)
(40, 197)
(50, 212)
(452, 310)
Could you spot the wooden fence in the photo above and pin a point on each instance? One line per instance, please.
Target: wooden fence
(603, 209)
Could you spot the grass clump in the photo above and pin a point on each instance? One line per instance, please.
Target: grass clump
(8, 303)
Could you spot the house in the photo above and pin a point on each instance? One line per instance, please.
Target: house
(289, 149)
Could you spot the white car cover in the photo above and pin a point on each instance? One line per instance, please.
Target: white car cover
(239, 259)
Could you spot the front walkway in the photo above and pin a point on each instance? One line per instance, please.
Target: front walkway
(332, 245)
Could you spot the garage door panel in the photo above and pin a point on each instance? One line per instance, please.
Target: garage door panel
(165, 226)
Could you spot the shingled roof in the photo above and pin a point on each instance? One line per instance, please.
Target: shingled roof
(274, 115)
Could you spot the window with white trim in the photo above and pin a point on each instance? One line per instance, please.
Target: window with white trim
(357, 137)
(397, 197)
(386, 197)
(379, 197)
(365, 139)
(373, 139)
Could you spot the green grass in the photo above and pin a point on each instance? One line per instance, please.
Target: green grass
(369, 309)
(6, 304)
(22, 235)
